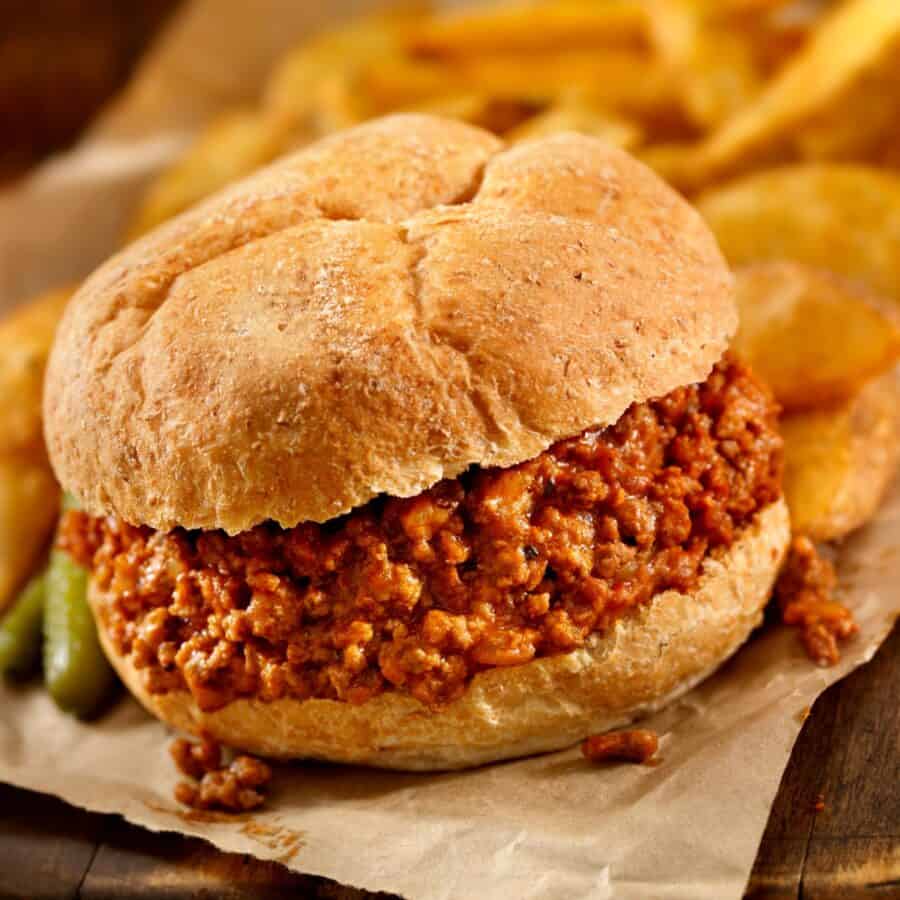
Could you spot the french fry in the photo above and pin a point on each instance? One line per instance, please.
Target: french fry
(845, 218)
(815, 337)
(616, 80)
(399, 82)
(839, 462)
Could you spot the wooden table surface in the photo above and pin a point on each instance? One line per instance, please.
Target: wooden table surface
(848, 753)
(848, 756)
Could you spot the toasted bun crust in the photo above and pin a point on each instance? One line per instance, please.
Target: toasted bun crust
(375, 313)
(642, 664)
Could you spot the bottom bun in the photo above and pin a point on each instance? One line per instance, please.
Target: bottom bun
(642, 663)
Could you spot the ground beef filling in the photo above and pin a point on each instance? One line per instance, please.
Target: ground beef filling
(236, 787)
(637, 745)
(806, 594)
(493, 568)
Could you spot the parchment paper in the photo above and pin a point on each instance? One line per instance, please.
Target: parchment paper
(546, 827)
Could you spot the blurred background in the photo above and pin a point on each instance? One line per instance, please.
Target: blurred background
(59, 61)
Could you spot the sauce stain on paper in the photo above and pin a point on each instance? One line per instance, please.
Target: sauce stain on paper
(285, 842)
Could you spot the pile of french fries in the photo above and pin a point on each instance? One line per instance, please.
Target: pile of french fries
(779, 118)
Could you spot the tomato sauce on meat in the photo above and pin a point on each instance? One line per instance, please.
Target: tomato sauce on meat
(806, 594)
(493, 568)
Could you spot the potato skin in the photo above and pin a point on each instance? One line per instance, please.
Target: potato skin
(840, 462)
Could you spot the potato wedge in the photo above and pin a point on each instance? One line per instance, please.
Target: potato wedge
(25, 339)
(29, 504)
(840, 462)
(815, 337)
(845, 218)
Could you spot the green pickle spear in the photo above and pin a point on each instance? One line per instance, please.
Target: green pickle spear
(76, 672)
(20, 631)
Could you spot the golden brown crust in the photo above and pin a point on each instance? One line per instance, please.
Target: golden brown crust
(371, 315)
(550, 703)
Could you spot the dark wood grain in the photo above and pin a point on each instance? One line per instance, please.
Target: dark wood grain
(847, 756)
(46, 846)
(860, 776)
(842, 868)
(782, 852)
(133, 863)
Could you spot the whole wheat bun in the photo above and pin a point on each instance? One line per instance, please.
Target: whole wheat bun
(375, 313)
(644, 662)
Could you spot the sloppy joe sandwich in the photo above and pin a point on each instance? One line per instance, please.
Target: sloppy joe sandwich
(417, 451)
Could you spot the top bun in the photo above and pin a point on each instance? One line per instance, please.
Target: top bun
(375, 313)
